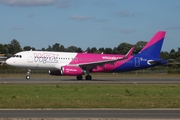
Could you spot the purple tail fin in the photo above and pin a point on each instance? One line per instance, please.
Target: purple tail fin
(153, 47)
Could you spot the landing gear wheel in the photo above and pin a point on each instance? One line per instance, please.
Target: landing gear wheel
(27, 77)
(28, 74)
(79, 77)
(88, 77)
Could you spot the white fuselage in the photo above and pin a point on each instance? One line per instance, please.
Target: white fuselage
(41, 59)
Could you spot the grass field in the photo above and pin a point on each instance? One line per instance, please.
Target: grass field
(89, 96)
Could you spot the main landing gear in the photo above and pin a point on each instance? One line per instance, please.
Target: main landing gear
(28, 74)
(87, 77)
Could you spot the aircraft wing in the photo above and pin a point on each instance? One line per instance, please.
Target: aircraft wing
(90, 65)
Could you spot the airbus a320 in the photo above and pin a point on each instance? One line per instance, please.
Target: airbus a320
(79, 64)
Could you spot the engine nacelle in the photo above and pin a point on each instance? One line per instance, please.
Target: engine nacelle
(55, 72)
(71, 70)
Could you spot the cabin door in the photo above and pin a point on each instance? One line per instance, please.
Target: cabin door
(30, 57)
(137, 62)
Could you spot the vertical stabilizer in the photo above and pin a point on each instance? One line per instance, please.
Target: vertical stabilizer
(153, 47)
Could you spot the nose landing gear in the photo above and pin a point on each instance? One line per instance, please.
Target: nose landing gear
(28, 74)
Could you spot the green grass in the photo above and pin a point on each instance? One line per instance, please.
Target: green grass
(89, 96)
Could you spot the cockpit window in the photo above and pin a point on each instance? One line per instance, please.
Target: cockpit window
(17, 56)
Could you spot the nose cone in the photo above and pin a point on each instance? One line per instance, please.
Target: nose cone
(9, 61)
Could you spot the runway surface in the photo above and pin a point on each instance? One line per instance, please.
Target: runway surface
(85, 113)
(94, 81)
(92, 113)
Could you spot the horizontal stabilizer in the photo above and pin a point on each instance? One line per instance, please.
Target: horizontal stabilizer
(152, 62)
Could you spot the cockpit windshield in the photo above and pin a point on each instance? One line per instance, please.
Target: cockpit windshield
(17, 56)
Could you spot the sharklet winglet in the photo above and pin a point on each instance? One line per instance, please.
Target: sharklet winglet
(129, 52)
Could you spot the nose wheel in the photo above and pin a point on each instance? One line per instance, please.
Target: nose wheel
(28, 74)
(28, 77)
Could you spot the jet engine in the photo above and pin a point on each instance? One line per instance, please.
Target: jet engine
(55, 72)
(72, 70)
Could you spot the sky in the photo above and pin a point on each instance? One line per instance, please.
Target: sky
(88, 23)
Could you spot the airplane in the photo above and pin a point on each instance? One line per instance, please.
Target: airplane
(79, 64)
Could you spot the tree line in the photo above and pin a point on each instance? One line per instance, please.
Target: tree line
(14, 47)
